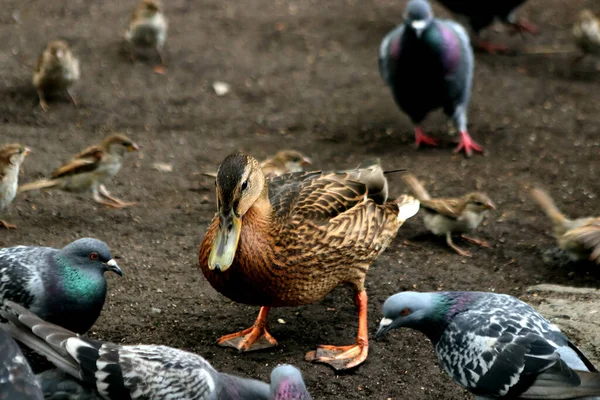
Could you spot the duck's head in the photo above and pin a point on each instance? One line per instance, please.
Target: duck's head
(240, 185)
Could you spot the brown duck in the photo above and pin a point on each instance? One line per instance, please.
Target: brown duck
(290, 240)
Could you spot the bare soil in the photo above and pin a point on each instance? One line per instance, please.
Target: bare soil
(303, 75)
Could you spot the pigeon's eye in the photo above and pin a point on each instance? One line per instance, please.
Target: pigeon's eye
(94, 256)
(245, 185)
(404, 312)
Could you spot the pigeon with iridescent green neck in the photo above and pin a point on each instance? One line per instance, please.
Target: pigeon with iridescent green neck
(495, 345)
(64, 286)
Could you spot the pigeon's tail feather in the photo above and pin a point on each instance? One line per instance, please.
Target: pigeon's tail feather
(590, 384)
(561, 382)
(59, 385)
(40, 336)
(547, 204)
(416, 187)
(43, 184)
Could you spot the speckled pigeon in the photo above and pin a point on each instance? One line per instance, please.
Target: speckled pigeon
(495, 345)
(66, 287)
(428, 64)
(17, 381)
(480, 14)
(143, 371)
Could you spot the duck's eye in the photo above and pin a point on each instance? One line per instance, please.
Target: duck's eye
(404, 312)
(94, 256)
(245, 185)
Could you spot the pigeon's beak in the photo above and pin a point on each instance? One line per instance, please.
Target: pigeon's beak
(419, 26)
(112, 266)
(384, 326)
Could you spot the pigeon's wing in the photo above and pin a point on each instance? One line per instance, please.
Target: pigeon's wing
(116, 372)
(501, 348)
(20, 269)
(588, 236)
(58, 385)
(389, 52)
(451, 208)
(17, 381)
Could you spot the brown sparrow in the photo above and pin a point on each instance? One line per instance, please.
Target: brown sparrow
(579, 238)
(11, 158)
(587, 33)
(90, 170)
(284, 162)
(57, 69)
(148, 28)
(443, 217)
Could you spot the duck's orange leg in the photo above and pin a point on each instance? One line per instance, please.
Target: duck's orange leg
(255, 338)
(346, 357)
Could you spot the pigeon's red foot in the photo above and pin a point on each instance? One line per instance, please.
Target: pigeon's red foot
(524, 26)
(467, 144)
(421, 137)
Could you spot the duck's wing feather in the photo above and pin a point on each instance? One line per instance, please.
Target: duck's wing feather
(315, 196)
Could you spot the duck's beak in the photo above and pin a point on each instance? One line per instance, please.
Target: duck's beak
(226, 242)
(112, 266)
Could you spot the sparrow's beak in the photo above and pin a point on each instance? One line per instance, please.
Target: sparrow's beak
(27, 151)
(133, 147)
(490, 206)
(419, 26)
(226, 242)
(306, 162)
(112, 264)
(384, 326)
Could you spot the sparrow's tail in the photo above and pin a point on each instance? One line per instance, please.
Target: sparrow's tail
(547, 204)
(45, 338)
(416, 187)
(44, 183)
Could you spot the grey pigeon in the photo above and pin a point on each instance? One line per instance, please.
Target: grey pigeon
(495, 345)
(17, 381)
(66, 287)
(144, 371)
(480, 14)
(58, 385)
(287, 384)
(428, 64)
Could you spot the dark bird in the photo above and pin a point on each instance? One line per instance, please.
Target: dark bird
(292, 239)
(428, 64)
(143, 371)
(579, 238)
(11, 158)
(480, 14)
(90, 170)
(17, 381)
(495, 345)
(64, 286)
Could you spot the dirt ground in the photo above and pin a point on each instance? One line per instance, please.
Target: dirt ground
(304, 75)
